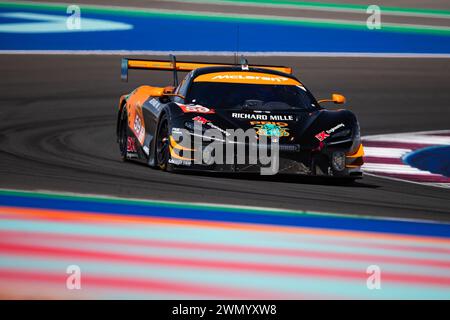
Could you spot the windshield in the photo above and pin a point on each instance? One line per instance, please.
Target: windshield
(249, 96)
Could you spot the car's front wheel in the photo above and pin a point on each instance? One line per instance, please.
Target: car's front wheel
(123, 134)
(162, 144)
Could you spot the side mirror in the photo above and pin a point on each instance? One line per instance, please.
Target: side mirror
(170, 92)
(162, 93)
(336, 98)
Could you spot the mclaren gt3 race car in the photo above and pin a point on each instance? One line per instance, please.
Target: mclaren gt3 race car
(236, 118)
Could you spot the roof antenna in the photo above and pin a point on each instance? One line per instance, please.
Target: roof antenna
(173, 59)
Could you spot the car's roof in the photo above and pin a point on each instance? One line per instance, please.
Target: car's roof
(206, 70)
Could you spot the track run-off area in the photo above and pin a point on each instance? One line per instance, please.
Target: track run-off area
(128, 249)
(66, 198)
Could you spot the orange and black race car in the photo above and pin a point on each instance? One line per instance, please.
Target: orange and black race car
(236, 118)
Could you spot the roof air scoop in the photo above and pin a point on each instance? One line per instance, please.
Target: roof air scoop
(244, 63)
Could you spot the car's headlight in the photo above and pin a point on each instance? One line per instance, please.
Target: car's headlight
(343, 133)
(338, 160)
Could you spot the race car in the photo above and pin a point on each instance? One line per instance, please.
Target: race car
(236, 118)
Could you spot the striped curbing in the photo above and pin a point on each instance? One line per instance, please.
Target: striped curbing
(384, 156)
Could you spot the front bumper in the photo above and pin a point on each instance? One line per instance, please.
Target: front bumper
(291, 160)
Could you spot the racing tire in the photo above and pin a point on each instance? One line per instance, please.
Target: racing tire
(123, 134)
(162, 144)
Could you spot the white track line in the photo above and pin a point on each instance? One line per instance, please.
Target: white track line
(396, 168)
(430, 184)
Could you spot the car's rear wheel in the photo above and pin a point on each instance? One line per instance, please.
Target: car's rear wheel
(123, 133)
(162, 144)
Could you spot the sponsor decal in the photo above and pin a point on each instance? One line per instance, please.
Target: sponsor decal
(270, 129)
(176, 131)
(137, 124)
(210, 124)
(200, 119)
(325, 134)
(322, 136)
(131, 144)
(155, 103)
(283, 117)
(142, 135)
(340, 125)
(195, 108)
(139, 128)
(249, 77)
(132, 155)
(179, 162)
(263, 117)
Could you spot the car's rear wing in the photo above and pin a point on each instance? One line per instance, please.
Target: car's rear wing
(184, 66)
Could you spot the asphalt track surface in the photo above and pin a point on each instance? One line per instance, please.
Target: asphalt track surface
(58, 118)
